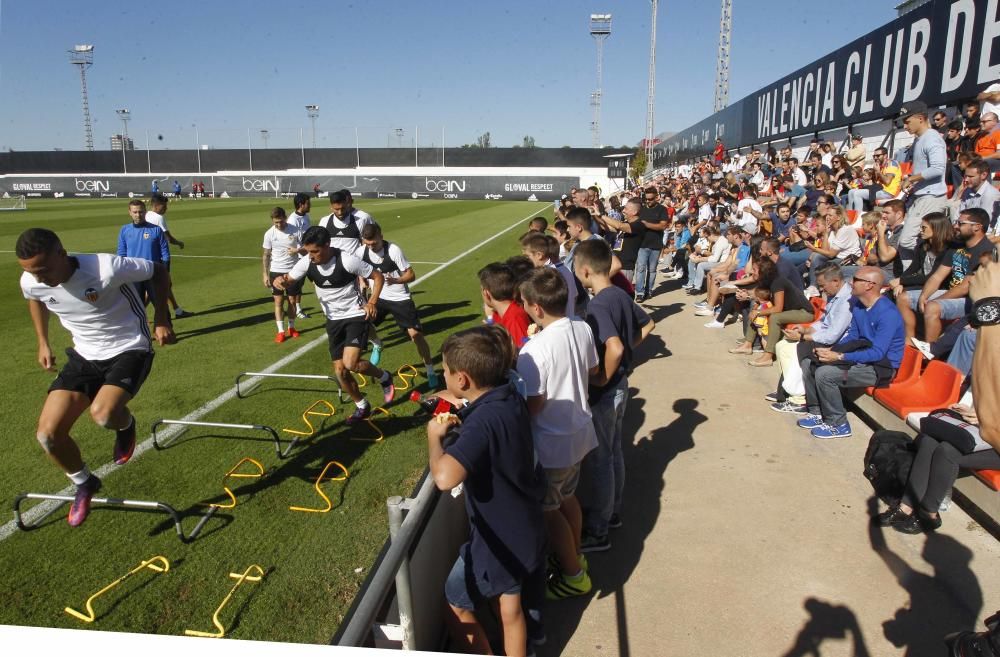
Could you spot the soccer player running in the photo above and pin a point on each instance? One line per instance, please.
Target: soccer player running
(345, 223)
(157, 216)
(95, 298)
(335, 275)
(395, 299)
(282, 242)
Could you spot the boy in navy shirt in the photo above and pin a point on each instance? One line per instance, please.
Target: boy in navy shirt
(493, 457)
(619, 325)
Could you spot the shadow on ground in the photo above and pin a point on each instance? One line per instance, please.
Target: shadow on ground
(646, 462)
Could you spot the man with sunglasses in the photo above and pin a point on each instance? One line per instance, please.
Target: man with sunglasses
(656, 220)
(953, 274)
(867, 355)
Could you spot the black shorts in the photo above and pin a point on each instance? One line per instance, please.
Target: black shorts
(127, 370)
(344, 333)
(293, 289)
(404, 312)
(145, 290)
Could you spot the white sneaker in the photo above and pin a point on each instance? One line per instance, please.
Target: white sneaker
(715, 324)
(701, 304)
(705, 312)
(923, 347)
(301, 314)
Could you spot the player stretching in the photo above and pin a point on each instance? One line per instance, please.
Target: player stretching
(395, 299)
(281, 252)
(95, 299)
(335, 276)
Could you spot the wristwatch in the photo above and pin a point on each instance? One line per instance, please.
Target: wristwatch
(985, 312)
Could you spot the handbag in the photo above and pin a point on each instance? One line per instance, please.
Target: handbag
(888, 460)
(948, 426)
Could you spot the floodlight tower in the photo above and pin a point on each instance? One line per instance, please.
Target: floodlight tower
(313, 112)
(600, 29)
(722, 63)
(651, 91)
(124, 115)
(83, 57)
(265, 135)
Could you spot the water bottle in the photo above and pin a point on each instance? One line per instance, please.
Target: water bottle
(431, 405)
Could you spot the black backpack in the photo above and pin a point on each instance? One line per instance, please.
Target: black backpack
(887, 464)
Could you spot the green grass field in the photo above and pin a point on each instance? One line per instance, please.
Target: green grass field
(314, 562)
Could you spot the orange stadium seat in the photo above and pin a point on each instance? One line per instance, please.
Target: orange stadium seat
(906, 168)
(989, 477)
(937, 387)
(909, 369)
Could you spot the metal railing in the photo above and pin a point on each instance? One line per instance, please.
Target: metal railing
(392, 573)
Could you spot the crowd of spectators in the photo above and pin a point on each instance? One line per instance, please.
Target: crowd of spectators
(832, 266)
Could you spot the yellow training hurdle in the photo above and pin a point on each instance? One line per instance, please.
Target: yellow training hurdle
(245, 576)
(157, 564)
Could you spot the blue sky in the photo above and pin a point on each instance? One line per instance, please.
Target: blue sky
(513, 69)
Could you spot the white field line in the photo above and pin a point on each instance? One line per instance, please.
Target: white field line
(42, 509)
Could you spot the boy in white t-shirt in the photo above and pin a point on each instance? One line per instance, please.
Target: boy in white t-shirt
(282, 243)
(556, 365)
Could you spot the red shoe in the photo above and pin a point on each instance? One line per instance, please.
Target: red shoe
(80, 508)
(292, 333)
(279, 338)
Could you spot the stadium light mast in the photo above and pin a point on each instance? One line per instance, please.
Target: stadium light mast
(82, 56)
(264, 134)
(313, 112)
(722, 62)
(651, 91)
(600, 29)
(124, 115)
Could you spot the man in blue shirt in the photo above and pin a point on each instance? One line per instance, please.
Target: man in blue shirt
(924, 187)
(800, 341)
(140, 239)
(867, 355)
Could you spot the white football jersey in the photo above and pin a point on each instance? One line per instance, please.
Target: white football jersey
(279, 243)
(396, 291)
(98, 305)
(300, 221)
(346, 235)
(336, 284)
(157, 219)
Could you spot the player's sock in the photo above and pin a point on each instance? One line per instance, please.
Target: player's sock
(361, 404)
(80, 477)
(291, 322)
(281, 325)
(385, 378)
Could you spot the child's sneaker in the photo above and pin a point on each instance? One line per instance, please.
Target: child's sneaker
(80, 508)
(560, 586)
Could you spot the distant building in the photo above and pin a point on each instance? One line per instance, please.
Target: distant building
(116, 143)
